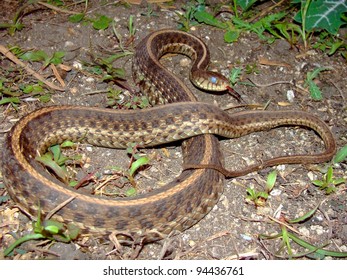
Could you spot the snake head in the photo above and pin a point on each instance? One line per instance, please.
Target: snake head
(209, 80)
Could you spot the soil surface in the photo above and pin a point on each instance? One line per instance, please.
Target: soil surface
(230, 230)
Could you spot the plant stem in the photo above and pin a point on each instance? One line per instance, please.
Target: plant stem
(304, 9)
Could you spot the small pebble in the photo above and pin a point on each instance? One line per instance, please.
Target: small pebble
(290, 95)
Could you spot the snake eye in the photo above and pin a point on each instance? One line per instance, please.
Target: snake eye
(214, 80)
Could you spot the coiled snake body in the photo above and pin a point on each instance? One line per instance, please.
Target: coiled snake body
(181, 203)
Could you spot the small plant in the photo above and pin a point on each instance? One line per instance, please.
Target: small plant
(39, 56)
(16, 24)
(331, 44)
(320, 14)
(47, 229)
(187, 18)
(137, 161)
(329, 182)
(100, 23)
(126, 176)
(57, 162)
(234, 76)
(315, 252)
(312, 16)
(315, 91)
(12, 94)
(105, 66)
(259, 197)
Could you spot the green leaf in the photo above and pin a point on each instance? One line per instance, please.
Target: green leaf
(52, 226)
(231, 36)
(35, 56)
(271, 180)
(329, 175)
(337, 182)
(316, 94)
(131, 192)
(76, 18)
(304, 217)
(47, 160)
(263, 194)
(73, 231)
(323, 14)
(7, 100)
(102, 23)
(330, 190)
(137, 164)
(45, 98)
(335, 46)
(207, 18)
(312, 75)
(245, 4)
(341, 155)
(315, 248)
(57, 58)
(67, 144)
(234, 75)
(22, 240)
(56, 153)
(114, 57)
(285, 238)
(318, 183)
(251, 193)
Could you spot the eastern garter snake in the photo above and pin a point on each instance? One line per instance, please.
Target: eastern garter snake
(181, 203)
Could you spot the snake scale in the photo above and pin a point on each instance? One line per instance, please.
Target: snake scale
(176, 116)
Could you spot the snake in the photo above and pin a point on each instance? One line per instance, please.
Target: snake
(176, 116)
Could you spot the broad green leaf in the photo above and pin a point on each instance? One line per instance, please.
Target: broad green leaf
(56, 153)
(76, 18)
(56, 59)
(102, 23)
(341, 155)
(7, 100)
(207, 18)
(45, 98)
(73, 231)
(335, 46)
(35, 56)
(323, 14)
(231, 36)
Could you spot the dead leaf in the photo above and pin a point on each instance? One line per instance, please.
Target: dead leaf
(266, 61)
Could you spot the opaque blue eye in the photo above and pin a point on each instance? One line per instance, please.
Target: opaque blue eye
(213, 80)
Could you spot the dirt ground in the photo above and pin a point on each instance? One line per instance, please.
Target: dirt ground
(231, 229)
